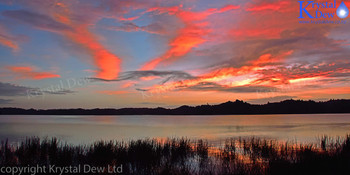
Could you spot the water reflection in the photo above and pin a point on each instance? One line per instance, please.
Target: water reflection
(87, 129)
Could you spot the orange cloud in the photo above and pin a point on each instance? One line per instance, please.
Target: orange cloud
(7, 40)
(149, 78)
(268, 58)
(30, 73)
(113, 92)
(107, 62)
(128, 84)
(229, 77)
(190, 36)
(229, 7)
(329, 91)
(8, 43)
(128, 19)
(267, 20)
(304, 79)
(276, 6)
(256, 33)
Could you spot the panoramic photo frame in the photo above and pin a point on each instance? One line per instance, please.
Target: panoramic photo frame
(191, 87)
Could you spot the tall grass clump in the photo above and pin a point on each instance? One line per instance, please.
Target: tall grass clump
(183, 156)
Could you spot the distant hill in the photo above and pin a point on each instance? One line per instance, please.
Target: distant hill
(236, 107)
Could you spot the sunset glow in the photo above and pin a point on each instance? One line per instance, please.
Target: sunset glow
(132, 53)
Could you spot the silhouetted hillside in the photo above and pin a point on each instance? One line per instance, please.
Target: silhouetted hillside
(236, 107)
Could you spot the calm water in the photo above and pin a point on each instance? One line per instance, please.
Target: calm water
(87, 129)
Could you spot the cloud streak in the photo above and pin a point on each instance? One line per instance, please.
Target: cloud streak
(27, 72)
(12, 90)
(107, 63)
(7, 89)
(154, 28)
(205, 86)
(139, 75)
(8, 40)
(40, 21)
(6, 101)
(188, 37)
(267, 6)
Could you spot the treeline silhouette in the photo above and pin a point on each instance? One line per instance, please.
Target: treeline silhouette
(236, 107)
(183, 156)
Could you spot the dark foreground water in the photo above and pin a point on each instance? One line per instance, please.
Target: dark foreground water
(305, 128)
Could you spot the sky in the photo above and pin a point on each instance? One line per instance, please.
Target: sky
(137, 53)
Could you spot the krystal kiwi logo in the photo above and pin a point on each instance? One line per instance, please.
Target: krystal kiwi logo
(321, 7)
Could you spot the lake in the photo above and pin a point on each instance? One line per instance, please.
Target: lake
(82, 129)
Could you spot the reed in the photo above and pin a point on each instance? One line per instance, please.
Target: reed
(183, 156)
